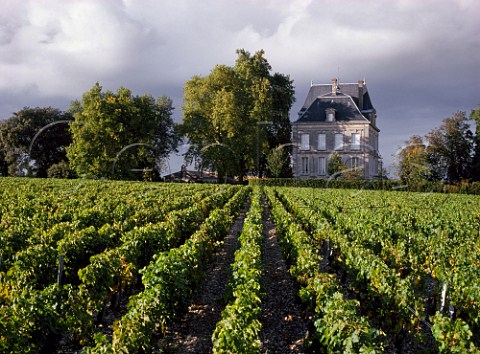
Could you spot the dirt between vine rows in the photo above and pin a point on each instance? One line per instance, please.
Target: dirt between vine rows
(283, 327)
(193, 333)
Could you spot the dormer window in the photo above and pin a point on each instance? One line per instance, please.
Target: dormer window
(330, 114)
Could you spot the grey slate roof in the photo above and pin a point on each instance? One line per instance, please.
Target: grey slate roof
(347, 89)
(345, 103)
(345, 110)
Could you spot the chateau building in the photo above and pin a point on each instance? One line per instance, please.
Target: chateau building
(336, 118)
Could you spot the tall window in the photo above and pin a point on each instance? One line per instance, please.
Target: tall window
(355, 163)
(339, 141)
(305, 142)
(373, 167)
(322, 142)
(305, 165)
(375, 142)
(322, 166)
(355, 141)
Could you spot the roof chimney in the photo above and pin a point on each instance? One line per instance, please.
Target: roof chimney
(334, 86)
(361, 85)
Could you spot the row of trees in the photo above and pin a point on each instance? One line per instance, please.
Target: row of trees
(232, 118)
(236, 121)
(105, 135)
(449, 153)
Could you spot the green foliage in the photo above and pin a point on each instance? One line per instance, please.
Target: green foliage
(106, 232)
(32, 322)
(335, 165)
(360, 185)
(413, 166)
(366, 264)
(60, 170)
(33, 140)
(452, 336)
(238, 330)
(228, 114)
(169, 282)
(339, 328)
(119, 135)
(391, 252)
(450, 148)
(276, 160)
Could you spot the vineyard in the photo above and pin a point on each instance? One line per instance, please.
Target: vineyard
(111, 267)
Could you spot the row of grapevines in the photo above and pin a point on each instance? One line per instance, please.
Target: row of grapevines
(339, 326)
(412, 244)
(439, 242)
(169, 282)
(110, 272)
(35, 312)
(32, 212)
(35, 265)
(238, 330)
(387, 298)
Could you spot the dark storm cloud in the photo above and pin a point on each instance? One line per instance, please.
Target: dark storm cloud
(420, 58)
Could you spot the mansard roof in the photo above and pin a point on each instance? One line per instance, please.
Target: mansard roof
(344, 100)
(352, 90)
(345, 110)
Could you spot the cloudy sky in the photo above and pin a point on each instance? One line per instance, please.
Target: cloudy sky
(420, 58)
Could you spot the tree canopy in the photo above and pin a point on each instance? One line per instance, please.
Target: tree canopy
(412, 161)
(118, 135)
(450, 148)
(235, 114)
(448, 153)
(33, 140)
(335, 165)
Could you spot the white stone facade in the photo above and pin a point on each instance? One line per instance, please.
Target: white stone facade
(333, 122)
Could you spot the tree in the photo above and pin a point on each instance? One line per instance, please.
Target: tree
(280, 130)
(118, 135)
(335, 165)
(3, 162)
(276, 162)
(475, 169)
(34, 139)
(60, 170)
(450, 147)
(412, 163)
(228, 114)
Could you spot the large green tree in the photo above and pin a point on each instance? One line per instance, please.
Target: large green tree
(229, 114)
(450, 147)
(279, 131)
(32, 140)
(118, 135)
(413, 166)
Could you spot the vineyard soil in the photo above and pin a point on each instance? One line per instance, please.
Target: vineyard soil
(193, 332)
(284, 328)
